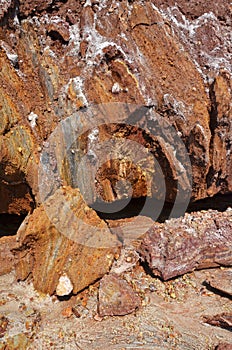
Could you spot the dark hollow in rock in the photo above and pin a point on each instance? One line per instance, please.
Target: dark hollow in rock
(9, 224)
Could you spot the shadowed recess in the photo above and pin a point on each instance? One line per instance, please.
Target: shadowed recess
(108, 210)
(9, 224)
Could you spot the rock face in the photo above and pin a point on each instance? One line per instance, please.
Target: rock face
(166, 66)
(59, 57)
(182, 245)
(6, 256)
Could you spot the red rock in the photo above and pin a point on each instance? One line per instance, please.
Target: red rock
(224, 346)
(116, 297)
(222, 281)
(63, 56)
(149, 72)
(198, 240)
(223, 320)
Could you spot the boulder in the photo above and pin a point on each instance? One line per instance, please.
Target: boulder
(198, 240)
(64, 245)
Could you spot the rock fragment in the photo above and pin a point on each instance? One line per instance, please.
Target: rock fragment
(198, 240)
(116, 297)
(221, 281)
(64, 286)
(223, 320)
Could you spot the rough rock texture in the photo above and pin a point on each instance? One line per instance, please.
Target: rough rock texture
(164, 323)
(198, 240)
(57, 57)
(222, 281)
(6, 256)
(116, 297)
(223, 320)
(224, 346)
(130, 230)
(75, 243)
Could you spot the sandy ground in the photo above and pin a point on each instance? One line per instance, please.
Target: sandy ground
(171, 316)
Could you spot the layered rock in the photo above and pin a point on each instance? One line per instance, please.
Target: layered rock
(199, 240)
(64, 244)
(221, 282)
(167, 69)
(59, 57)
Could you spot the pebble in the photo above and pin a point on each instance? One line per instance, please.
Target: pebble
(64, 286)
(67, 312)
(116, 88)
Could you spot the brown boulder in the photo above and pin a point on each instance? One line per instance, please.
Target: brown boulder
(65, 237)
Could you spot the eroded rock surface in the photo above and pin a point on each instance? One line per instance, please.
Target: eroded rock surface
(198, 240)
(57, 57)
(222, 281)
(171, 60)
(70, 241)
(223, 320)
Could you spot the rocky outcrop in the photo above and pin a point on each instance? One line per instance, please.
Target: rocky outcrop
(182, 245)
(58, 57)
(114, 98)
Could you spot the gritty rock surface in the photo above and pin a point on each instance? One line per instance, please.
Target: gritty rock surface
(59, 57)
(221, 281)
(116, 297)
(173, 59)
(199, 240)
(54, 242)
(163, 322)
